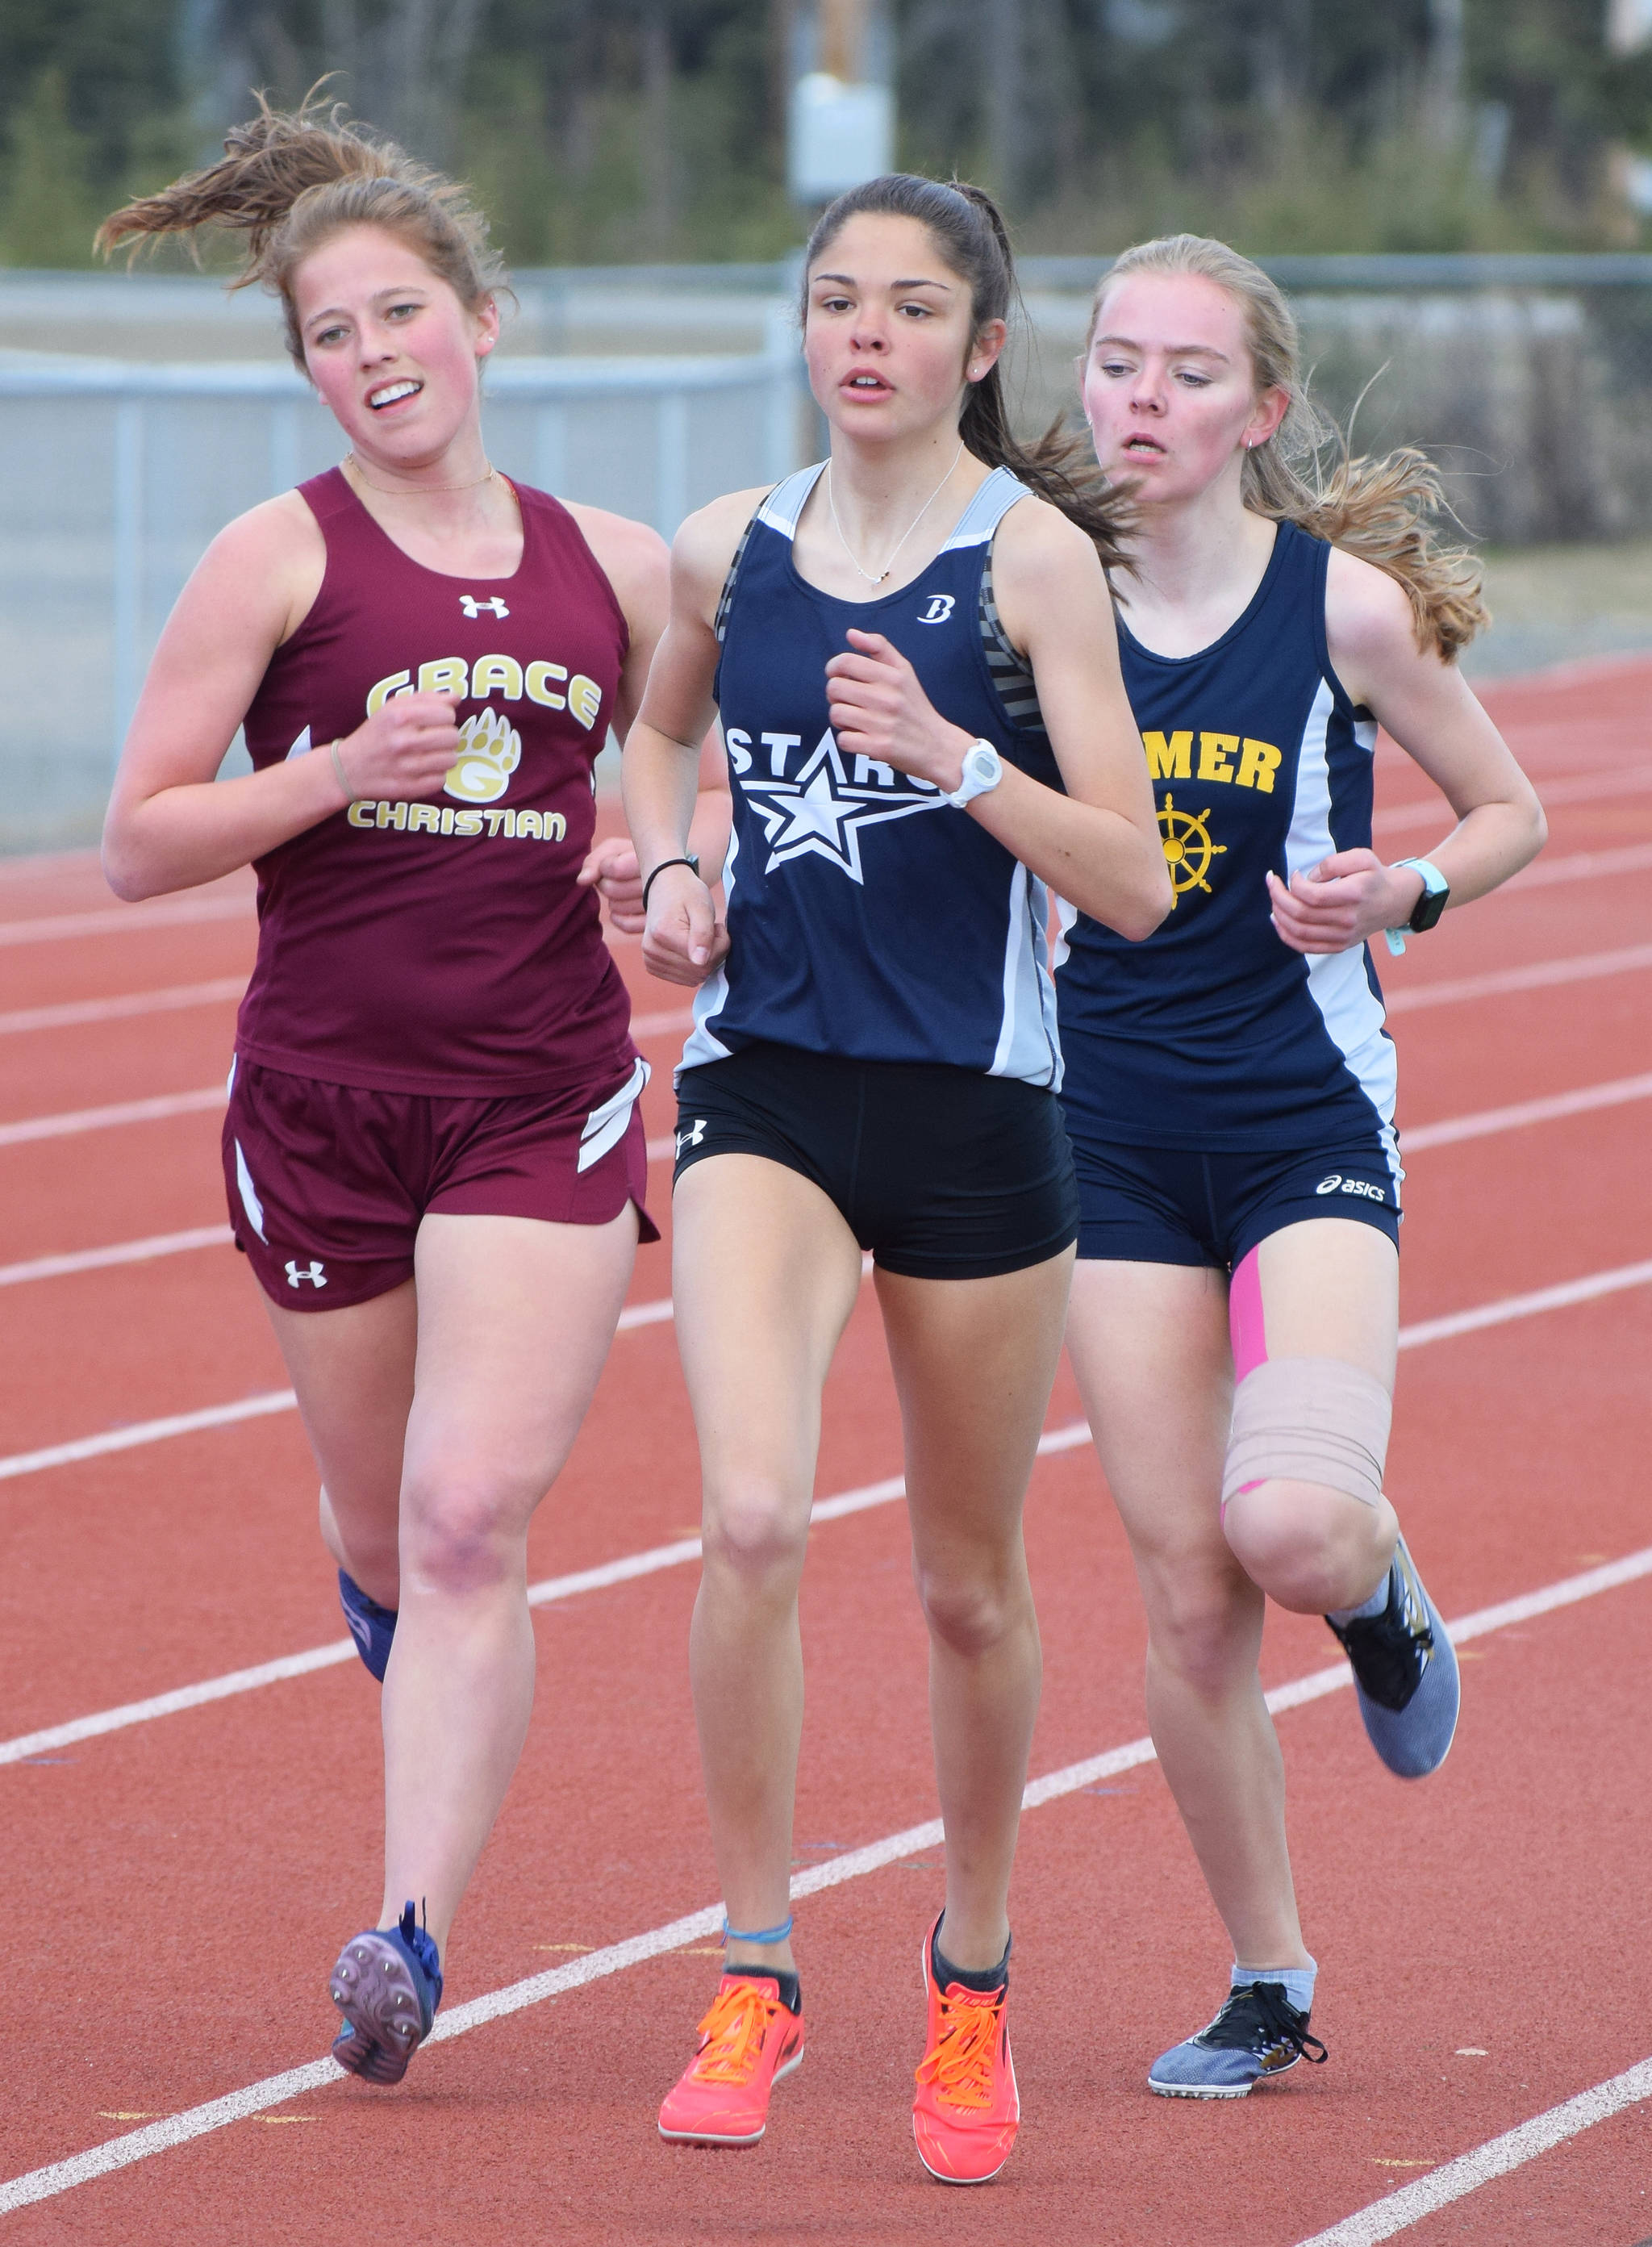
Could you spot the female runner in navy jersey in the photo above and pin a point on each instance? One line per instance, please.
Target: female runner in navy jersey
(1229, 1085)
(874, 1065)
(433, 1151)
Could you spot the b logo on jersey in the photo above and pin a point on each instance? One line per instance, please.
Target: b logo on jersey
(314, 1273)
(1188, 848)
(473, 607)
(937, 609)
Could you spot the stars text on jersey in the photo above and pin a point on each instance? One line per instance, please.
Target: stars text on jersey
(820, 810)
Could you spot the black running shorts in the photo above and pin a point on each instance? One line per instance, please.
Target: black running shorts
(942, 1173)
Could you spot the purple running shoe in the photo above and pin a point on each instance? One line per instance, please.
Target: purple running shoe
(387, 1984)
(370, 1626)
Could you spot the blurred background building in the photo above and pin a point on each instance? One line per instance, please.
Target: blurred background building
(1457, 193)
(608, 130)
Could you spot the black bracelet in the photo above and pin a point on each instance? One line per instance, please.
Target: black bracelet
(692, 862)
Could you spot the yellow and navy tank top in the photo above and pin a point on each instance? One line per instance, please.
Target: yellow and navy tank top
(1213, 1034)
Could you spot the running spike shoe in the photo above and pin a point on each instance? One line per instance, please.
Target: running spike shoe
(370, 1626)
(1259, 2033)
(967, 2110)
(1405, 1674)
(387, 1984)
(747, 2041)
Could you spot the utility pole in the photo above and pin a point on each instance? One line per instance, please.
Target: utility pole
(1444, 100)
(842, 124)
(1006, 99)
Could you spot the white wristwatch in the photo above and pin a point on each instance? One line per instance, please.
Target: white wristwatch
(983, 769)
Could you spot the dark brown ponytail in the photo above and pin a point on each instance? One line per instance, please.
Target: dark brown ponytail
(969, 232)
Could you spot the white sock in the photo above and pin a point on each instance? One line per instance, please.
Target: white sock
(1298, 1981)
(1374, 1606)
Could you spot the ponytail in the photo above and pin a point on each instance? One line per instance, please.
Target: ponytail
(1386, 511)
(969, 231)
(288, 180)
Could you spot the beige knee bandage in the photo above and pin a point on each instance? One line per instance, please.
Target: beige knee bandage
(1310, 1419)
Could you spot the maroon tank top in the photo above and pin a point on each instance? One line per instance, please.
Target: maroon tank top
(442, 946)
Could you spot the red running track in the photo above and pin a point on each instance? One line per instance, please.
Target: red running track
(177, 1887)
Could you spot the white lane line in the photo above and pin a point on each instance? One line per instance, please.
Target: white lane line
(179, 2129)
(1581, 967)
(221, 1415)
(1397, 2211)
(76, 1012)
(1581, 787)
(117, 1252)
(127, 920)
(147, 1431)
(684, 1550)
(104, 1119)
(548, 1591)
(1526, 1307)
(1490, 1120)
(1578, 866)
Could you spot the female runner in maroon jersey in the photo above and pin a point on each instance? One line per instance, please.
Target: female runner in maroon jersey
(433, 1151)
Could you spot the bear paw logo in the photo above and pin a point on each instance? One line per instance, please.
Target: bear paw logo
(489, 751)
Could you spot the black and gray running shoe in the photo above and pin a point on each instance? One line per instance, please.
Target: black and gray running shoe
(1405, 1674)
(1259, 2033)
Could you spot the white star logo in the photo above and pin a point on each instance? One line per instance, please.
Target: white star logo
(820, 812)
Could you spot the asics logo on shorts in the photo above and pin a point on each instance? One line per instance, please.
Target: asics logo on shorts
(473, 608)
(937, 609)
(692, 1136)
(314, 1273)
(1337, 1184)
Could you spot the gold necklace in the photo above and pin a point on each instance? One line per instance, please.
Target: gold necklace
(391, 491)
(906, 534)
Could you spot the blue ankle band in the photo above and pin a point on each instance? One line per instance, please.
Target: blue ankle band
(758, 1934)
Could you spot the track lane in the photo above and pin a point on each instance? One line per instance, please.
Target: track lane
(1536, 1372)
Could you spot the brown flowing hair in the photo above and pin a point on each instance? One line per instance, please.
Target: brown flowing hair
(969, 233)
(288, 180)
(1386, 511)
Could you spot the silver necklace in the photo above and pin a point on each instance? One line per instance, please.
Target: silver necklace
(906, 534)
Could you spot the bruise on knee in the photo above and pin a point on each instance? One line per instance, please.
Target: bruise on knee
(1308, 1419)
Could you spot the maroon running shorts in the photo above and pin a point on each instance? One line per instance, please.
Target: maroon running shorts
(327, 1183)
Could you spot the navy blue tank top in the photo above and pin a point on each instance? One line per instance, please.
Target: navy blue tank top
(1213, 1034)
(867, 917)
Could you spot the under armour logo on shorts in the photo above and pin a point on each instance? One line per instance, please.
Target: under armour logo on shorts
(937, 609)
(473, 608)
(693, 1137)
(315, 1276)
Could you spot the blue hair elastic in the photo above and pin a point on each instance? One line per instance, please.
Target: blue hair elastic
(758, 1934)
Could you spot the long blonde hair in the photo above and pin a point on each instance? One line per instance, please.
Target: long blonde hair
(288, 180)
(1387, 511)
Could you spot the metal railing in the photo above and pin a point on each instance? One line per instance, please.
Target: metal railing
(114, 476)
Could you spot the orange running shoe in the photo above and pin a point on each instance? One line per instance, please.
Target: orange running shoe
(967, 2109)
(747, 2041)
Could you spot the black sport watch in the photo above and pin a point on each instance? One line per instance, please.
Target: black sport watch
(1431, 905)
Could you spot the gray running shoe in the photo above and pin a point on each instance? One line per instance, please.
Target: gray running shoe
(1259, 2033)
(1405, 1674)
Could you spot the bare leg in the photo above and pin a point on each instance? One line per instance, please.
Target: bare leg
(1330, 1288)
(353, 1371)
(765, 1275)
(1149, 1345)
(974, 1361)
(515, 1318)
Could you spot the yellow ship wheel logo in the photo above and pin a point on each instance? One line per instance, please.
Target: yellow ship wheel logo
(1188, 849)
